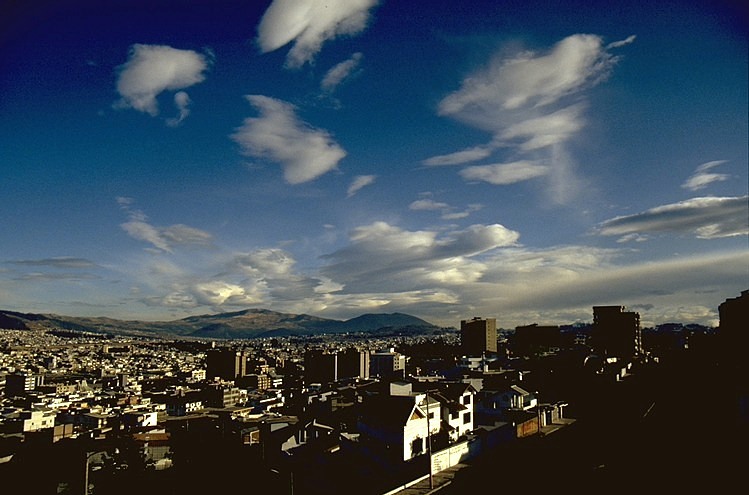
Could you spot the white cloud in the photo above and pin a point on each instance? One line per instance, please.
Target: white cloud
(381, 255)
(702, 178)
(340, 72)
(182, 102)
(152, 69)
(359, 182)
(164, 239)
(616, 44)
(427, 204)
(532, 104)
(505, 173)
(305, 153)
(546, 130)
(459, 157)
(706, 218)
(309, 24)
(529, 80)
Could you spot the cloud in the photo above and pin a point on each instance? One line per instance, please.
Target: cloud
(626, 41)
(359, 182)
(339, 73)
(459, 157)
(381, 255)
(152, 69)
(309, 24)
(448, 212)
(701, 178)
(65, 262)
(427, 204)
(304, 153)
(529, 80)
(505, 173)
(163, 239)
(182, 102)
(705, 218)
(532, 104)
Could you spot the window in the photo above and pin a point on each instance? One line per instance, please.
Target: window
(417, 446)
(467, 399)
(466, 418)
(431, 415)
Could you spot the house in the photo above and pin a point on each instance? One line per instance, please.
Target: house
(457, 405)
(492, 405)
(398, 427)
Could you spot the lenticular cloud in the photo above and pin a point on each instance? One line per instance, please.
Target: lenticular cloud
(309, 24)
(152, 69)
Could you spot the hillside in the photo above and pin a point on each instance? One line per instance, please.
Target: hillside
(250, 323)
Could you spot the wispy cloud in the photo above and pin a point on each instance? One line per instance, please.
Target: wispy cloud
(705, 218)
(380, 254)
(309, 24)
(702, 176)
(162, 238)
(304, 153)
(359, 182)
(65, 262)
(505, 173)
(152, 69)
(340, 72)
(530, 103)
(460, 157)
(448, 212)
(427, 204)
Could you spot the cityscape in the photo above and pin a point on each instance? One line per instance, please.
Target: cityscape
(404, 410)
(373, 247)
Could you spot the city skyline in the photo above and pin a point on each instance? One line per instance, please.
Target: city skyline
(523, 163)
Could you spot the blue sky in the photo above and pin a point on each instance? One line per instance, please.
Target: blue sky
(518, 160)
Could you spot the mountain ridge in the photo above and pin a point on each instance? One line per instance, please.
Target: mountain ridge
(243, 324)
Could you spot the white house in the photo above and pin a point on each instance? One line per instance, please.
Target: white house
(399, 425)
(457, 404)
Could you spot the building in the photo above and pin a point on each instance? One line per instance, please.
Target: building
(387, 364)
(20, 383)
(226, 364)
(353, 363)
(320, 367)
(616, 332)
(733, 333)
(532, 339)
(478, 336)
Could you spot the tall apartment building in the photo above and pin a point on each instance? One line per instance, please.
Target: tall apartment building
(733, 333)
(478, 336)
(227, 364)
(387, 364)
(616, 332)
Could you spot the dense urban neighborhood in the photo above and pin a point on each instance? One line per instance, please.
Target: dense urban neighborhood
(398, 409)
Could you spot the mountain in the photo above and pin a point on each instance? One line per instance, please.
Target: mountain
(250, 323)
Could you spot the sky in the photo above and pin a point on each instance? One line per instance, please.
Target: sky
(523, 161)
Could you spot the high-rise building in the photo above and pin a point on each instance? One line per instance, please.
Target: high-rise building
(387, 364)
(478, 336)
(616, 332)
(733, 333)
(227, 364)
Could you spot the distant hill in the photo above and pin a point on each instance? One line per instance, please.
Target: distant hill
(250, 323)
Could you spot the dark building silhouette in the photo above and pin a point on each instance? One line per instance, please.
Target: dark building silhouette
(227, 364)
(324, 367)
(530, 339)
(478, 336)
(616, 332)
(353, 363)
(320, 367)
(734, 325)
